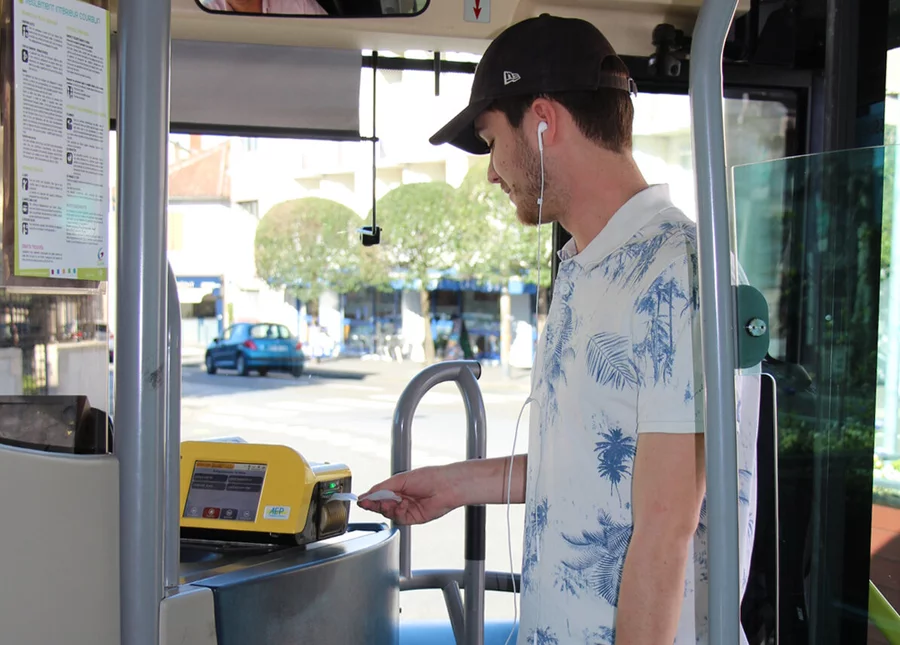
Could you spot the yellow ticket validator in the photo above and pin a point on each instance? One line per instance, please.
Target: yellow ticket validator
(259, 493)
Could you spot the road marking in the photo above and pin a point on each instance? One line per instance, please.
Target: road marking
(300, 406)
(361, 404)
(248, 429)
(257, 411)
(444, 399)
(233, 422)
(353, 387)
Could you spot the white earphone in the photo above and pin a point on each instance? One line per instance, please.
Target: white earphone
(542, 127)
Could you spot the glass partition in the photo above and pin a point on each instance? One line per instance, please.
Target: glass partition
(808, 235)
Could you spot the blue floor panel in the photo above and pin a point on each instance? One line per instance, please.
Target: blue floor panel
(440, 633)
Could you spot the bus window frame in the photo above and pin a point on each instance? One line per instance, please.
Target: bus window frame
(791, 87)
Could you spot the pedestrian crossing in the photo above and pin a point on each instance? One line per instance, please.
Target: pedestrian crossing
(329, 425)
(331, 418)
(316, 444)
(433, 398)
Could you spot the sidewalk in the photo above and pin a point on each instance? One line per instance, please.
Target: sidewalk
(492, 378)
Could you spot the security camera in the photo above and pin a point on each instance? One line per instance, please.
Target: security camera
(370, 235)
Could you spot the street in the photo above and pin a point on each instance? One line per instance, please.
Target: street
(342, 412)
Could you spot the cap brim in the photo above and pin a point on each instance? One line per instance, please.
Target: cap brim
(460, 131)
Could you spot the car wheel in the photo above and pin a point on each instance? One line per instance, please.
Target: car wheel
(297, 371)
(263, 372)
(210, 364)
(242, 365)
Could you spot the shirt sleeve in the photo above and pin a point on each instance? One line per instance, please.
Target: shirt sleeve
(666, 345)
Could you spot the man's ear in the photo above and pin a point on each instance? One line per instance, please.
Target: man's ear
(545, 111)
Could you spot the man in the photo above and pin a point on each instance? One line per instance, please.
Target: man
(613, 481)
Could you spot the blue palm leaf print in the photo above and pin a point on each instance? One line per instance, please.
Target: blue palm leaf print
(701, 554)
(695, 282)
(658, 303)
(609, 361)
(569, 581)
(534, 529)
(615, 453)
(631, 262)
(558, 344)
(542, 636)
(744, 479)
(701, 525)
(602, 636)
(600, 556)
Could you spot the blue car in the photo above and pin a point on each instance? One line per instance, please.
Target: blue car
(259, 347)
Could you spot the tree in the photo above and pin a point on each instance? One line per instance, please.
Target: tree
(310, 245)
(423, 232)
(506, 248)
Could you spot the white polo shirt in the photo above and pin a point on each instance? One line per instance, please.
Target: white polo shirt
(620, 356)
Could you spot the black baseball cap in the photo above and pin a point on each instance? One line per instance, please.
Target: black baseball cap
(535, 56)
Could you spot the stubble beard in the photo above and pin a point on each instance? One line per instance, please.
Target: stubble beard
(529, 191)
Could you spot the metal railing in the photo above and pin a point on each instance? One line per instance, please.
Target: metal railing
(717, 317)
(467, 620)
(172, 513)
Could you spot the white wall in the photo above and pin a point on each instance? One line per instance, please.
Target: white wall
(413, 324)
(521, 348)
(330, 315)
(83, 369)
(216, 240)
(11, 371)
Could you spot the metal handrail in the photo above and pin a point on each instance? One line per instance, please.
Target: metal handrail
(465, 374)
(144, 30)
(439, 578)
(172, 515)
(718, 314)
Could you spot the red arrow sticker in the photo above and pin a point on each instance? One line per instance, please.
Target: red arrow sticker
(477, 11)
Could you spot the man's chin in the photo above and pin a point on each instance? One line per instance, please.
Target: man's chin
(528, 218)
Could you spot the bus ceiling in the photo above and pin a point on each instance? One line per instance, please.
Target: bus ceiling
(443, 25)
(788, 34)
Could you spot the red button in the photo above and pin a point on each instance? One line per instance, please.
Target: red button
(211, 512)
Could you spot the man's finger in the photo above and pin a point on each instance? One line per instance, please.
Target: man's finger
(370, 506)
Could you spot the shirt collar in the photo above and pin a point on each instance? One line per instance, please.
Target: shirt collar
(628, 220)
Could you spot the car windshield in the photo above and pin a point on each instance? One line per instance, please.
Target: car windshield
(270, 331)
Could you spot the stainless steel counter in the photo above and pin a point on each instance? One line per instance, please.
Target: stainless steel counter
(342, 591)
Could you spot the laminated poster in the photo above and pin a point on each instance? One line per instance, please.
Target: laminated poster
(61, 53)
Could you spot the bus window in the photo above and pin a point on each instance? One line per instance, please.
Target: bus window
(757, 128)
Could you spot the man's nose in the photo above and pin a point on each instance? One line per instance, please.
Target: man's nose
(492, 175)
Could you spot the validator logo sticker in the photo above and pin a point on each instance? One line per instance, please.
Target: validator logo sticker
(277, 512)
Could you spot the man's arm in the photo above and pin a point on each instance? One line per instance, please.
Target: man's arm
(668, 488)
(484, 481)
(432, 492)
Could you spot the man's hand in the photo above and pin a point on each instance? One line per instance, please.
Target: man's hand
(425, 494)
(668, 488)
(432, 492)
